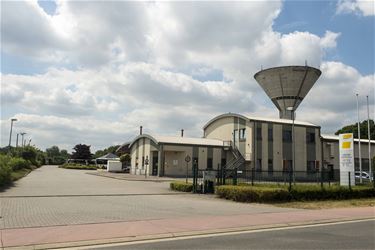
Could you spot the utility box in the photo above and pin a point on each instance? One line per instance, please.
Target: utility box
(114, 166)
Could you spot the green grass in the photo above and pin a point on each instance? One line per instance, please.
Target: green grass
(365, 202)
(18, 174)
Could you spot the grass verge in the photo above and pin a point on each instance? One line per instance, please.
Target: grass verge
(366, 202)
(18, 174)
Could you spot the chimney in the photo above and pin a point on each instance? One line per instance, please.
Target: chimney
(140, 130)
(182, 133)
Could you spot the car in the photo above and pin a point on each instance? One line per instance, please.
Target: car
(365, 176)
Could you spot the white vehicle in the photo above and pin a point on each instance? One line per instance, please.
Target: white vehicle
(365, 176)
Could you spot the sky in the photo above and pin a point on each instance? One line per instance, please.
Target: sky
(93, 71)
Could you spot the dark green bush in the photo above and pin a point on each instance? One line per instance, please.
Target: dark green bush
(78, 166)
(5, 170)
(181, 186)
(252, 194)
(17, 163)
(298, 193)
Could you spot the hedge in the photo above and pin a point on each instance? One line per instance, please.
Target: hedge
(17, 163)
(78, 166)
(299, 193)
(252, 194)
(181, 186)
(5, 170)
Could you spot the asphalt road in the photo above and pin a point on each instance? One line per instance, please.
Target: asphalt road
(353, 235)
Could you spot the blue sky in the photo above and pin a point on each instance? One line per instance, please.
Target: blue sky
(356, 42)
(93, 71)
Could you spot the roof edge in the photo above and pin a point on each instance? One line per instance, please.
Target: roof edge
(143, 136)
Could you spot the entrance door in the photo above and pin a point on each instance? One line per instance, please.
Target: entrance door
(155, 165)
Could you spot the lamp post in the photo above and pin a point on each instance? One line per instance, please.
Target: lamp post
(17, 140)
(11, 127)
(22, 142)
(369, 139)
(293, 143)
(359, 144)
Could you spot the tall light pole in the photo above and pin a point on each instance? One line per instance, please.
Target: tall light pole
(22, 134)
(11, 127)
(17, 140)
(369, 139)
(293, 144)
(359, 144)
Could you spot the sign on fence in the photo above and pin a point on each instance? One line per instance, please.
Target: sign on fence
(346, 146)
(209, 175)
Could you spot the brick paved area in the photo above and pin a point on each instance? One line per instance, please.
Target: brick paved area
(36, 201)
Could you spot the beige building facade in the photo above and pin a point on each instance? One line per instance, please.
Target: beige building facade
(264, 144)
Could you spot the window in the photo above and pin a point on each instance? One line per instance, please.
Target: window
(287, 136)
(259, 133)
(258, 166)
(310, 167)
(270, 167)
(209, 163)
(235, 135)
(310, 137)
(143, 161)
(243, 134)
(270, 134)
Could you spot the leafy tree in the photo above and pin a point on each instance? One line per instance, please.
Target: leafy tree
(82, 151)
(353, 128)
(125, 159)
(55, 156)
(111, 149)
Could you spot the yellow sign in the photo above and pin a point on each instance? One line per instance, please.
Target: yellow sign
(347, 136)
(346, 144)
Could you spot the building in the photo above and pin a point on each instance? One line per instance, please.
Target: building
(265, 144)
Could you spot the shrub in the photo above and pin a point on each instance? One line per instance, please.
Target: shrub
(5, 170)
(252, 194)
(17, 163)
(78, 166)
(298, 193)
(181, 186)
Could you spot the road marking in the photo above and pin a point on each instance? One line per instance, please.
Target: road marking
(207, 235)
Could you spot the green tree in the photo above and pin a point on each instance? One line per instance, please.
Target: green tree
(82, 151)
(55, 156)
(111, 149)
(353, 128)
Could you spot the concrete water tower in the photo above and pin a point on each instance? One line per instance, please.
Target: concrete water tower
(287, 86)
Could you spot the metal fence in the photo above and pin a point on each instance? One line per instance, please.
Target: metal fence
(204, 180)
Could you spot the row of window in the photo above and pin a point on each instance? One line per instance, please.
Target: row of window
(311, 166)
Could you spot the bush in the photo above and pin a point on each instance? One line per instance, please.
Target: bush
(5, 170)
(17, 163)
(78, 166)
(181, 186)
(252, 194)
(298, 193)
(301, 193)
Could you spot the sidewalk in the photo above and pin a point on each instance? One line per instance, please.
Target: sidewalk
(131, 177)
(90, 234)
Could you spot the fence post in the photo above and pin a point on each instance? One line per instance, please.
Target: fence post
(350, 183)
(252, 176)
(235, 177)
(321, 177)
(224, 173)
(290, 179)
(195, 181)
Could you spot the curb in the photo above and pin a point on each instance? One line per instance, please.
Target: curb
(135, 239)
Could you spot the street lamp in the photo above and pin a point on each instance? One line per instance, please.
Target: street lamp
(11, 127)
(359, 144)
(293, 142)
(22, 142)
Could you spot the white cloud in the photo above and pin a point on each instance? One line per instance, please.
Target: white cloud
(360, 7)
